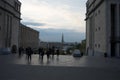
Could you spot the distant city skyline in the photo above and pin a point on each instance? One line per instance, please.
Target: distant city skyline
(60, 16)
(57, 35)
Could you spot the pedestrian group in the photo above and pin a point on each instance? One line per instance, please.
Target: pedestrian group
(50, 52)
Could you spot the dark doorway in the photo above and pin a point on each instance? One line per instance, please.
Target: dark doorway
(113, 26)
(14, 49)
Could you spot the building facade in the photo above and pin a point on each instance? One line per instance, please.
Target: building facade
(28, 37)
(9, 23)
(103, 27)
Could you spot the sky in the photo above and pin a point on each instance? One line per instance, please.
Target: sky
(52, 18)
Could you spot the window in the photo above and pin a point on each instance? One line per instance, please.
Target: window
(98, 45)
(0, 28)
(17, 6)
(119, 20)
(113, 20)
(95, 45)
(98, 11)
(99, 28)
(96, 14)
(96, 29)
(87, 4)
(119, 49)
(9, 30)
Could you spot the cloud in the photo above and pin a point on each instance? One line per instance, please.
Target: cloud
(33, 23)
(54, 17)
(60, 16)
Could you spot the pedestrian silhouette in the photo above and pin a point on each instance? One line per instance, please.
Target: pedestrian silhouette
(57, 52)
(53, 51)
(42, 54)
(39, 52)
(48, 54)
(20, 51)
(29, 53)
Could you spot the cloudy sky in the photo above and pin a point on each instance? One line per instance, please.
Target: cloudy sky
(54, 17)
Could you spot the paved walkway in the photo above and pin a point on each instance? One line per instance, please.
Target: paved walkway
(62, 60)
(64, 68)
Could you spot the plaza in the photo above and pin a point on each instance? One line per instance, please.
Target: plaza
(63, 68)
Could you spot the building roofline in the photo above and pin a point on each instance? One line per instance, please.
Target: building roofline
(88, 13)
(22, 25)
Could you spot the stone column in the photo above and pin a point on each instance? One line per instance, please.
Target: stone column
(117, 32)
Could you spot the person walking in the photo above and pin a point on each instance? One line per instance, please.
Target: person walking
(39, 52)
(20, 51)
(42, 53)
(53, 51)
(57, 52)
(29, 53)
(48, 54)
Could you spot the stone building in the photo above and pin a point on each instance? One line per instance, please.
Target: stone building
(9, 23)
(103, 27)
(28, 37)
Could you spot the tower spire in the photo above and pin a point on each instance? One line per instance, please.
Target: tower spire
(62, 38)
(62, 41)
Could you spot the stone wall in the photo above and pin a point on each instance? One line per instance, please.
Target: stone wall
(9, 23)
(28, 37)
